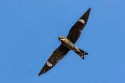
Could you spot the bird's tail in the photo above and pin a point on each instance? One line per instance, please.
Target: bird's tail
(82, 53)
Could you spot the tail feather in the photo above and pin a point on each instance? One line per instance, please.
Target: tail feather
(82, 53)
(85, 53)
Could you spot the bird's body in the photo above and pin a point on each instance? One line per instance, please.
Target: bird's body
(67, 44)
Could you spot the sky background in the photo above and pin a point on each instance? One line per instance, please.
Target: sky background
(29, 31)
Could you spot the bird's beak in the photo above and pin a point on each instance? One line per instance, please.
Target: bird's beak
(59, 38)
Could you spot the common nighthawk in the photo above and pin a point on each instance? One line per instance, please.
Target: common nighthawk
(67, 44)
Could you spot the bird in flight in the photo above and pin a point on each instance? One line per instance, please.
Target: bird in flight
(67, 44)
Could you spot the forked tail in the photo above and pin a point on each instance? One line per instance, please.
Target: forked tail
(82, 53)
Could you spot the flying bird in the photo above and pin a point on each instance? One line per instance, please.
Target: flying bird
(67, 44)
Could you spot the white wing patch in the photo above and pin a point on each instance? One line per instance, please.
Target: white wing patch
(49, 64)
(82, 21)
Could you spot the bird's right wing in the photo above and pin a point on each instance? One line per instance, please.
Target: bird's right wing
(57, 55)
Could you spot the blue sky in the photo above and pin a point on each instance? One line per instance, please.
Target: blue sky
(29, 31)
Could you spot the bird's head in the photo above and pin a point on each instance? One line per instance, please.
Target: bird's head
(61, 38)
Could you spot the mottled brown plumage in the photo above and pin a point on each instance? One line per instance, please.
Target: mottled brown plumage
(67, 44)
(76, 29)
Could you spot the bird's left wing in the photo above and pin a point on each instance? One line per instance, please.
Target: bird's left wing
(76, 29)
(57, 55)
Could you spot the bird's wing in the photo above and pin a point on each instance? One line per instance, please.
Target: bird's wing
(76, 29)
(57, 55)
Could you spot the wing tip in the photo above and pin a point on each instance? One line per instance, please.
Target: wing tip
(85, 16)
(89, 10)
(44, 69)
(40, 73)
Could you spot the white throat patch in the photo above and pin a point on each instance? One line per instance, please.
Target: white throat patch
(63, 39)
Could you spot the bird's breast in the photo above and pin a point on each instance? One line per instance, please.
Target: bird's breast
(68, 44)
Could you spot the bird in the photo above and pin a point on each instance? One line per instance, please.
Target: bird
(67, 44)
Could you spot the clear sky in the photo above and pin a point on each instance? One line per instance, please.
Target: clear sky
(29, 31)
